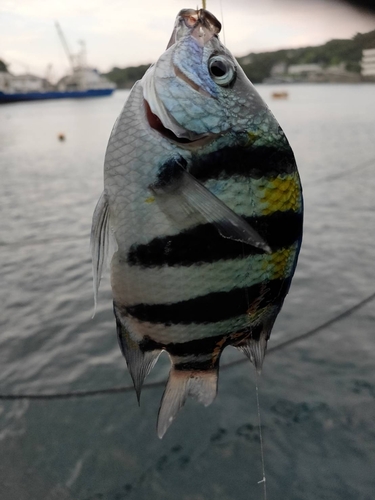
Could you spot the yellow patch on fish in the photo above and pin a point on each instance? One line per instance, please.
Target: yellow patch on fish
(280, 262)
(281, 194)
(278, 265)
(150, 199)
(252, 138)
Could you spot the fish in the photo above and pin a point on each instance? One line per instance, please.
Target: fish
(200, 219)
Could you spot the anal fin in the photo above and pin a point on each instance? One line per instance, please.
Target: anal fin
(139, 362)
(255, 350)
(256, 345)
(200, 384)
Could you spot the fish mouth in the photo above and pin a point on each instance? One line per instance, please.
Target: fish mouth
(192, 17)
(201, 23)
(156, 124)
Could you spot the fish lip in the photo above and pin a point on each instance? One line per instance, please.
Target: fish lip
(156, 124)
(200, 23)
(192, 17)
(210, 21)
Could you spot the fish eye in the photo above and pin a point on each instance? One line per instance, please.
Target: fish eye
(221, 70)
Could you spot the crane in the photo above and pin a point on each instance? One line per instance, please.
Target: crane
(65, 45)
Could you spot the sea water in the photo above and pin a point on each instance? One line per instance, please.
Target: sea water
(317, 396)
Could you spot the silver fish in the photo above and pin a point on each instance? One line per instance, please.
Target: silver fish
(200, 218)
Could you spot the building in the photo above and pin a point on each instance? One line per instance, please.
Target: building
(316, 73)
(368, 64)
(304, 69)
(21, 83)
(278, 69)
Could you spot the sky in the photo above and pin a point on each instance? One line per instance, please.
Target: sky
(132, 32)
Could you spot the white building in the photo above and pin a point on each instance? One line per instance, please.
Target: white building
(279, 68)
(303, 69)
(84, 78)
(368, 62)
(21, 83)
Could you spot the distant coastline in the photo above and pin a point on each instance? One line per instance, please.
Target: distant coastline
(336, 61)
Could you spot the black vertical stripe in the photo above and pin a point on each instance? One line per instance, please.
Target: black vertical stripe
(203, 346)
(254, 162)
(213, 307)
(204, 243)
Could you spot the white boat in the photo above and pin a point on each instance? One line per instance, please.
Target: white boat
(82, 81)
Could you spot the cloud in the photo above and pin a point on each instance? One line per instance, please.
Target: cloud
(123, 33)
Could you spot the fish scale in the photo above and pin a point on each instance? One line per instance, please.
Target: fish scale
(200, 218)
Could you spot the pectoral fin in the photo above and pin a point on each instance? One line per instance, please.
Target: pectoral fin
(175, 180)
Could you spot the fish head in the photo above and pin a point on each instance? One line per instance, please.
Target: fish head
(197, 90)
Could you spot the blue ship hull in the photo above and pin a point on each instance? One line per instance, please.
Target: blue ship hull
(41, 96)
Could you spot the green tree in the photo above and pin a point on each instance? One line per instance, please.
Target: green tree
(3, 66)
(126, 77)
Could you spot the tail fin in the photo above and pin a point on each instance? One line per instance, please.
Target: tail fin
(200, 384)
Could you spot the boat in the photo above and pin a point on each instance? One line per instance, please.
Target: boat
(280, 95)
(11, 94)
(81, 82)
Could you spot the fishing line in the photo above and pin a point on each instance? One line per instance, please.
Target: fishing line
(222, 20)
(263, 480)
(161, 383)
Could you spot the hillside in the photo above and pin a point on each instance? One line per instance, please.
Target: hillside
(126, 77)
(258, 66)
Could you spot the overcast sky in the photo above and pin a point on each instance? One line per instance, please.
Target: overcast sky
(132, 32)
